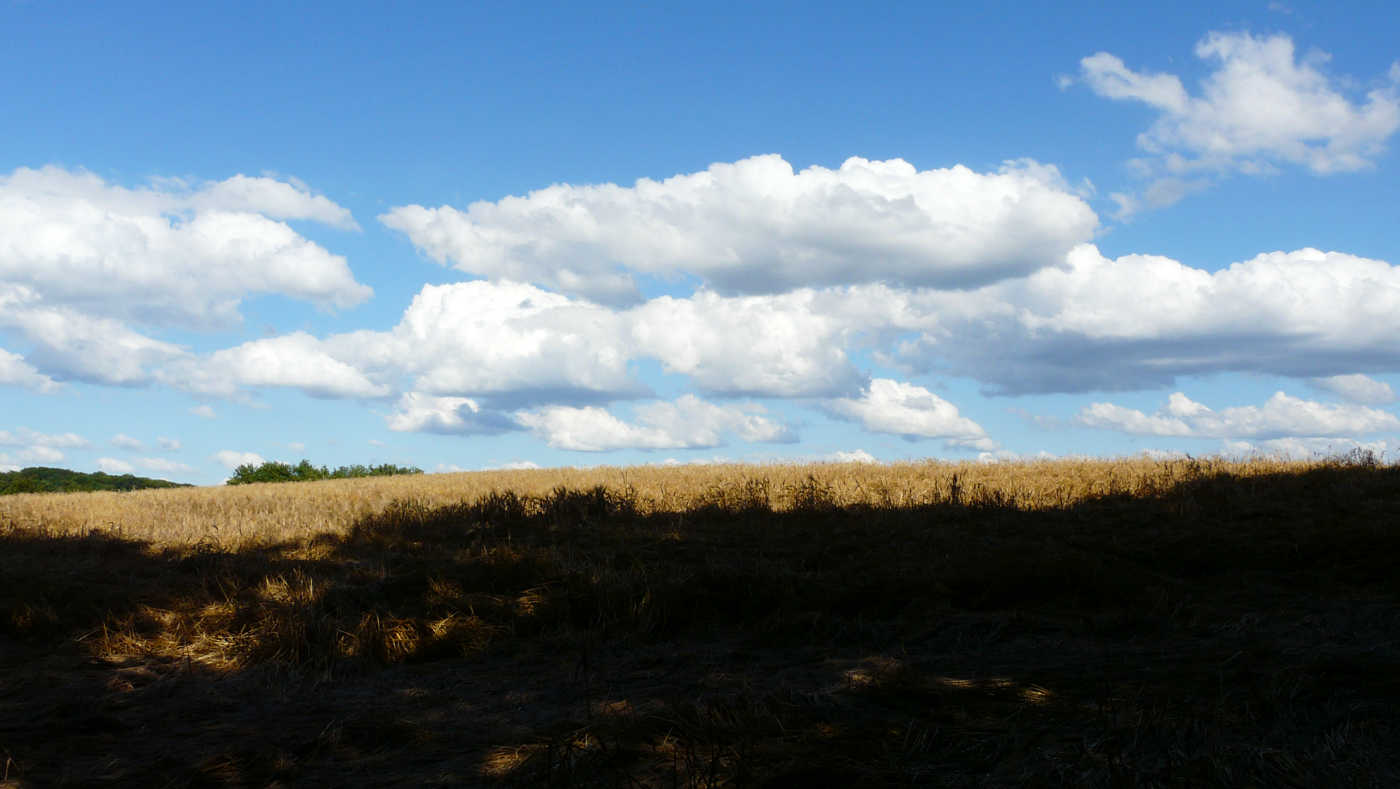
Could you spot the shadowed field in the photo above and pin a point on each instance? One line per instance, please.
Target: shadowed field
(1159, 624)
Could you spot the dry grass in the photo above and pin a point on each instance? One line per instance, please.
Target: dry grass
(1095, 623)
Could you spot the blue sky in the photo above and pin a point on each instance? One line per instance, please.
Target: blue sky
(473, 236)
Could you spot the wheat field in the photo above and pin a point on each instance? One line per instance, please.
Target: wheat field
(1086, 623)
(234, 516)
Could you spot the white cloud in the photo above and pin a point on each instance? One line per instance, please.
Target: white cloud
(163, 465)
(1357, 388)
(230, 458)
(687, 423)
(478, 339)
(296, 446)
(424, 413)
(756, 226)
(114, 466)
(204, 411)
(6, 467)
(295, 360)
(510, 345)
(1009, 456)
(40, 454)
(1108, 416)
(1140, 321)
(789, 345)
(1108, 77)
(15, 371)
(1281, 416)
(481, 338)
(513, 465)
(1260, 107)
(77, 345)
(24, 437)
(699, 423)
(1307, 448)
(169, 444)
(713, 460)
(853, 456)
(165, 254)
(272, 198)
(903, 409)
(123, 441)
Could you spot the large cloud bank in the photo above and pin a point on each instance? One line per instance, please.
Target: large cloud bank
(484, 357)
(757, 226)
(843, 291)
(168, 253)
(1142, 321)
(88, 267)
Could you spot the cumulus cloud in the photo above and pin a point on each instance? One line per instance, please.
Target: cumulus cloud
(15, 371)
(162, 465)
(1357, 388)
(40, 454)
(24, 437)
(165, 254)
(114, 466)
(903, 409)
(204, 411)
(230, 458)
(789, 345)
(513, 465)
(1010, 456)
(757, 226)
(124, 441)
(518, 342)
(269, 197)
(1297, 448)
(853, 456)
(72, 344)
(168, 444)
(425, 413)
(1262, 106)
(713, 460)
(1281, 416)
(1139, 321)
(295, 360)
(686, 423)
(481, 339)
(470, 355)
(504, 344)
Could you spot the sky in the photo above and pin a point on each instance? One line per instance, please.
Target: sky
(506, 235)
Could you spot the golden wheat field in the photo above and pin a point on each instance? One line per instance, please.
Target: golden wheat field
(230, 516)
(1100, 623)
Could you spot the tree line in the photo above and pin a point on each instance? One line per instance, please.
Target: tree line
(304, 471)
(42, 479)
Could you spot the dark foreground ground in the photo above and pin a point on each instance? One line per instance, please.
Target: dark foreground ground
(1221, 632)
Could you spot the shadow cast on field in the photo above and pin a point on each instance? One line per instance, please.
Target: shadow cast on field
(1221, 630)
